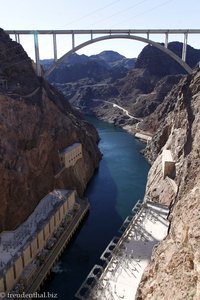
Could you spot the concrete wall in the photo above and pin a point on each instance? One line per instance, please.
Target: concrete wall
(41, 241)
(27, 255)
(18, 267)
(2, 288)
(52, 225)
(168, 164)
(57, 218)
(10, 279)
(71, 200)
(47, 231)
(34, 248)
(66, 208)
(61, 212)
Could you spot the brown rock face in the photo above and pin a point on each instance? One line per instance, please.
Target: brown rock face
(35, 123)
(174, 272)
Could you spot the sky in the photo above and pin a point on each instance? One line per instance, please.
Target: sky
(104, 14)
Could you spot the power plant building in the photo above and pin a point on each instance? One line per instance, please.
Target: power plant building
(19, 248)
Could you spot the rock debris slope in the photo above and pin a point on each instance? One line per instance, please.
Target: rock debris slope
(174, 272)
(36, 122)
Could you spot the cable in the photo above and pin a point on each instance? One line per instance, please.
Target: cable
(121, 11)
(147, 11)
(91, 13)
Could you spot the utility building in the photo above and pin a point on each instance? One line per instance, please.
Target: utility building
(168, 164)
(70, 155)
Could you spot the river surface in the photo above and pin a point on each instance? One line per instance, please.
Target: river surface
(115, 188)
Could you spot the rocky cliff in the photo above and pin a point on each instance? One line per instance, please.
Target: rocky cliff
(174, 271)
(107, 65)
(141, 91)
(36, 122)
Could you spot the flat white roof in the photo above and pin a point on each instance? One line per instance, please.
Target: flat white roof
(13, 242)
(132, 254)
(143, 136)
(70, 148)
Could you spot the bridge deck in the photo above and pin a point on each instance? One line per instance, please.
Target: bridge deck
(106, 31)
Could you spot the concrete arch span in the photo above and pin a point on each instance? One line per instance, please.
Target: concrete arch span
(121, 36)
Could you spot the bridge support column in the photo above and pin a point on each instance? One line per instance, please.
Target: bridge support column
(37, 56)
(17, 39)
(166, 39)
(91, 35)
(54, 47)
(184, 50)
(73, 41)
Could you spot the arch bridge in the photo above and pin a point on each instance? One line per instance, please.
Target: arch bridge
(105, 34)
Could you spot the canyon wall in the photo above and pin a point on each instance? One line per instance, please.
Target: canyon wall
(174, 271)
(36, 122)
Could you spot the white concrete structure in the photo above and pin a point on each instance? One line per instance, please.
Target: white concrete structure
(129, 257)
(168, 164)
(106, 34)
(71, 154)
(144, 137)
(20, 247)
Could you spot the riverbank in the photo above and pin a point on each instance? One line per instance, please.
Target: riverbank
(133, 129)
(144, 136)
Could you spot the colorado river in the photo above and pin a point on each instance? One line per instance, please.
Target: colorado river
(115, 188)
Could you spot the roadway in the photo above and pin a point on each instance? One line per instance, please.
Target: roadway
(121, 108)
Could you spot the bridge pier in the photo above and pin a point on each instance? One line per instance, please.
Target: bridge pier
(55, 47)
(73, 41)
(37, 55)
(184, 50)
(17, 39)
(91, 35)
(166, 39)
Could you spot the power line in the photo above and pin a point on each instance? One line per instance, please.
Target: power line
(121, 11)
(146, 11)
(91, 13)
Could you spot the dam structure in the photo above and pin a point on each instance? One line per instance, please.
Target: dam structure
(126, 257)
(36, 244)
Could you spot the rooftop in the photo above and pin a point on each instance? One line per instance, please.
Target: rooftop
(70, 148)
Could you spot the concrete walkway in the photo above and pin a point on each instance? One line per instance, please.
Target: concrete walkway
(123, 272)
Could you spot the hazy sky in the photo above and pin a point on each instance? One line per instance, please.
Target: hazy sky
(104, 14)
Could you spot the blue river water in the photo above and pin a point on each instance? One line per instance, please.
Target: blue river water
(116, 186)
